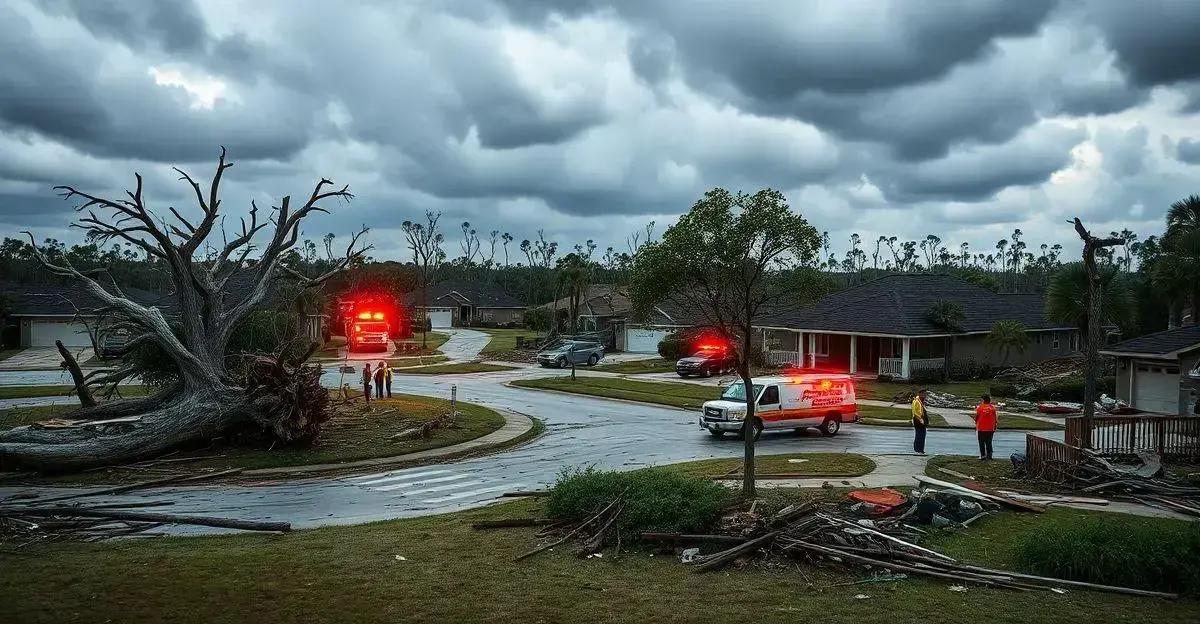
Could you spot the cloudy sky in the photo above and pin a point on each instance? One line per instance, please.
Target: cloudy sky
(590, 118)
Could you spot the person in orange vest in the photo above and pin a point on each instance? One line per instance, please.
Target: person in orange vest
(366, 381)
(920, 421)
(985, 426)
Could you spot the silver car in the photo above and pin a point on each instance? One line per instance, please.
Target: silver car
(570, 352)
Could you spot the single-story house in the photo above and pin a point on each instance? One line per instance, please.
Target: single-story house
(465, 303)
(1160, 372)
(882, 327)
(606, 309)
(46, 312)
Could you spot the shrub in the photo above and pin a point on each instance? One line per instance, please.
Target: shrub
(656, 499)
(970, 370)
(927, 375)
(672, 346)
(1071, 389)
(1117, 550)
(1002, 389)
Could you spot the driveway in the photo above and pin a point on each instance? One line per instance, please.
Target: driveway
(580, 431)
(42, 358)
(464, 345)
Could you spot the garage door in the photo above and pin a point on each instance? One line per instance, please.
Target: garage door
(1156, 388)
(643, 340)
(441, 317)
(44, 333)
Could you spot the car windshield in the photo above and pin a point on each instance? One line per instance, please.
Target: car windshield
(737, 392)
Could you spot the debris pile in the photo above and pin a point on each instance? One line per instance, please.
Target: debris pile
(878, 530)
(1143, 482)
(29, 518)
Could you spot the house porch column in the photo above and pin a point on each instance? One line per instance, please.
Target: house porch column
(812, 350)
(853, 354)
(905, 348)
(800, 361)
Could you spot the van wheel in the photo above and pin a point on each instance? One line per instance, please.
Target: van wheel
(831, 426)
(593, 359)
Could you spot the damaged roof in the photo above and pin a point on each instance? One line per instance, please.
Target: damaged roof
(463, 292)
(898, 305)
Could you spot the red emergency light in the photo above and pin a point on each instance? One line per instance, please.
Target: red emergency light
(370, 316)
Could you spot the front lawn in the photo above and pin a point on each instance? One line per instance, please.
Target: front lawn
(432, 343)
(437, 569)
(503, 340)
(894, 417)
(23, 392)
(814, 464)
(682, 395)
(635, 367)
(359, 432)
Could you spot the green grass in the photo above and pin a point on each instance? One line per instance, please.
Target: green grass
(683, 395)
(21, 392)
(997, 472)
(888, 390)
(453, 574)
(454, 369)
(634, 367)
(433, 342)
(816, 464)
(423, 360)
(503, 340)
(1017, 421)
(353, 434)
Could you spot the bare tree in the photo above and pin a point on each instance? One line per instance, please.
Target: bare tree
(208, 398)
(425, 243)
(1092, 340)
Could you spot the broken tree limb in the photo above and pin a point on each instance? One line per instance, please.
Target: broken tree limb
(981, 494)
(572, 533)
(884, 536)
(143, 516)
(85, 393)
(172, 480)
(653, 536)
(890, 565)
(716, 560)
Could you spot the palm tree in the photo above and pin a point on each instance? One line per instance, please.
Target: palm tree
(1066, 297)
(1181, 257)
(1007, 336)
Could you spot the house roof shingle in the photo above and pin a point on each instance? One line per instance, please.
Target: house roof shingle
(52, 299)
(1159, 343)
(478, 294)
(898, 304)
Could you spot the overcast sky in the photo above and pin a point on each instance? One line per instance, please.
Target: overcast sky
(963, 119)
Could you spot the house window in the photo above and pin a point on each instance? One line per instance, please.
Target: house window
(822, 344)
(1055, 344)
(1037, 338)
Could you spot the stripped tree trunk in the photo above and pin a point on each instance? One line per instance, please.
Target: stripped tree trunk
(1094, 329)
(207, 400)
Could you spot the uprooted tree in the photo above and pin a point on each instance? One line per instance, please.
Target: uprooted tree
(216, 285)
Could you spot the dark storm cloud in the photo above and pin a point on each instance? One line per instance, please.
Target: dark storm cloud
(1155, 40)
(174, 25)
(1188, 150)
(1124, 151)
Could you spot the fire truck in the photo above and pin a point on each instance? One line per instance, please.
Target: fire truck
(370, 321)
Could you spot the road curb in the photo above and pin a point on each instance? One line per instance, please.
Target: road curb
(515, 426)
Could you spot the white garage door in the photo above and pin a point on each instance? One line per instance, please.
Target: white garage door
(643, 340)
(1156, 388)
(441, 317)
(44, 333)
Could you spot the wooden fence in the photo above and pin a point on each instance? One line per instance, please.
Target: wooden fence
(1173, 437)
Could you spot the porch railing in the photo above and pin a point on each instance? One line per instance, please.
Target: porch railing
(1169, 436)
(784, 358)
(895, 366)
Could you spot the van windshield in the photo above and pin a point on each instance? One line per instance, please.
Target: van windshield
(737, 392)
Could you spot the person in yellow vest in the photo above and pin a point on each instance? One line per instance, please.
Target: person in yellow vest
(920, 421)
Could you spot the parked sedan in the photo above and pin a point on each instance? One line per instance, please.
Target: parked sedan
(706, 361)
(570, 352)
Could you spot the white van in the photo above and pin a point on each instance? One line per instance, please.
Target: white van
(821, 400)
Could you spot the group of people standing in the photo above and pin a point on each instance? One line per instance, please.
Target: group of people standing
(381, 378)
(985, 424)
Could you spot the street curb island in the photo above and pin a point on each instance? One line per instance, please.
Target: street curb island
(515, 426)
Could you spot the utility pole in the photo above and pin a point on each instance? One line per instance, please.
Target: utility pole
(1092, 346)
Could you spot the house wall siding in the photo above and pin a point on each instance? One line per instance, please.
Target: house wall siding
(975, 347)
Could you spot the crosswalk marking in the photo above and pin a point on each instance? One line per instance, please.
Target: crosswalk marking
(444, 499)
(442, 488)
(402, 477)
(401, 486)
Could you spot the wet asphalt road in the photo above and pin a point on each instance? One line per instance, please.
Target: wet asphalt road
(580, 431)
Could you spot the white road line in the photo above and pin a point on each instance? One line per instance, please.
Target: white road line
(401, 486)
(402, 477)
(443, 488)
(443, 499)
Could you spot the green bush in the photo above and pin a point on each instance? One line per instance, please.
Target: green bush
(970, 370)
(672, 347)
(1071, 389)
(1117, 550)
(927, 376)
(656, 499)
(1002, 389)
